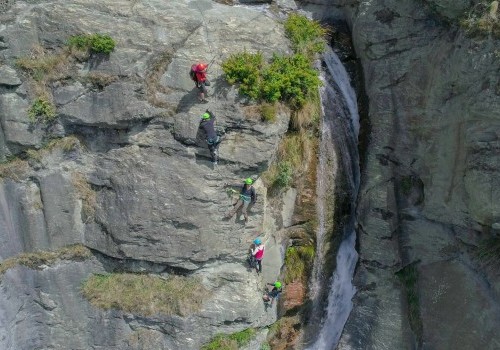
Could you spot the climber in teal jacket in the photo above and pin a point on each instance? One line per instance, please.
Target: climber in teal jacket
(247, 196)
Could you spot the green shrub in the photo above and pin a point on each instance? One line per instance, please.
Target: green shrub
(298, 262)
(97, 43)
(244, 68)
(43, 110)
(230, 341)
(287, 78)
(306, 36)
(284, 175)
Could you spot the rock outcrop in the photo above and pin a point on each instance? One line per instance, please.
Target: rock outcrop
(430, 176)
(130, 176)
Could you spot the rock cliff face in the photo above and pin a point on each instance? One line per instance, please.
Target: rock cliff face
(430, 187)
(129, 176)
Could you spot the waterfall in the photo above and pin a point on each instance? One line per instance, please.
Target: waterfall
(339, 160)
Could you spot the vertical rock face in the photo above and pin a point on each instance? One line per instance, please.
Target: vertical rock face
(430, 185)
(135, 182)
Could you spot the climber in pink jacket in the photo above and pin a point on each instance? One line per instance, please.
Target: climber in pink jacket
(258, 254)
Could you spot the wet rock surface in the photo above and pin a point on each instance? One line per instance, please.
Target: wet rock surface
(431, 175)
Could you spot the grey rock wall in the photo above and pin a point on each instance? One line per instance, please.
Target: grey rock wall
(430, 176)
(138, 184)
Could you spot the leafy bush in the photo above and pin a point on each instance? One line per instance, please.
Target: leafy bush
(287, 78)
(42, 109)
(298, 262)
(284, 175)
(145, 294)
(231, 341)
(245, 68)
(97, 43)
(306, 36)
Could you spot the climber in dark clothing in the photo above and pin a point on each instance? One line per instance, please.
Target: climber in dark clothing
(207, 123)
(272, 294)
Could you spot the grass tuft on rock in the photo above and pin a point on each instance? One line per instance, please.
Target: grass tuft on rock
(145, 294)
(230, 341)
(35, 260)
(14, 169)
(268, 112)
(298, 262)
(86, 194)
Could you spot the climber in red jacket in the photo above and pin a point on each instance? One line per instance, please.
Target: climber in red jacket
(198, 74)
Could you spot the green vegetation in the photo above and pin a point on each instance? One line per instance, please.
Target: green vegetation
(145, 294)
(43, 67)
(408, 276)
(284, 175)
(42, 110)
(265, 346)
(306, 36)
(230, 341)
(35, 260)
(291, 78)
(246, 69)
(298, 262)
(294, 150)
(95, 43)
(483, 19)
(489, 251)
(286, 78)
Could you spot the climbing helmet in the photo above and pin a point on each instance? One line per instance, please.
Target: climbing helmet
(257, 241)
(248, 181)
(277, 284)
(205, 115)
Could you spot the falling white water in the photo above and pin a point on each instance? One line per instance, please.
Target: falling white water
(339, 297)
(339, 148)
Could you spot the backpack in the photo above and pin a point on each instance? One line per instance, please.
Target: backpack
(192, 73)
